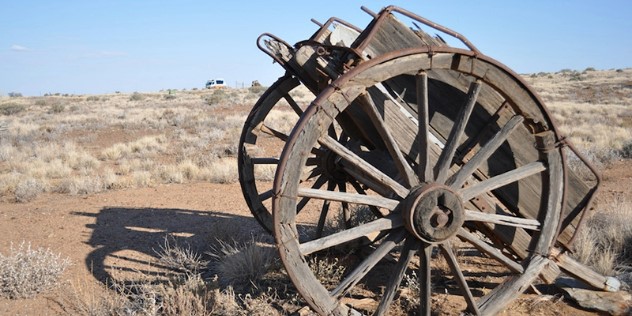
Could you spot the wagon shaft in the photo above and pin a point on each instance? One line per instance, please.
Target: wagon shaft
(439, 145)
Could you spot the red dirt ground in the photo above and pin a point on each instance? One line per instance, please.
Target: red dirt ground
(122, 229)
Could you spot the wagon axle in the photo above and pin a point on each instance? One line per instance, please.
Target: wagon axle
(433, 213)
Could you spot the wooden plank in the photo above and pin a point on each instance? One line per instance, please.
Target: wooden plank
(526, 223)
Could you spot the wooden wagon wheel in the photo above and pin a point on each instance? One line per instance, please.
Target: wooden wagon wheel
(481, 169)
(262, 140)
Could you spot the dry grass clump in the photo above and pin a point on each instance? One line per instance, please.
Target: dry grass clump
(240, 264)
(25, 272)
(223, 171)
(187, 291)
(605, 242)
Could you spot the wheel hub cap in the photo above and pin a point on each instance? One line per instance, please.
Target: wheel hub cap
(433, 212)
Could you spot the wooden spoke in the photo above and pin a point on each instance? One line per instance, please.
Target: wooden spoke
(512, 287)
(266, 195)
(446, 249)
(323, 212)
(487, 150)
(374, 185)
(360, 190)
(391, 145)
(320, 181)
(273, 132)
(265, 161)
(349, 198)
(425, 280)
(501, 180)
(297, 109)
(490, 250)
(424, 169)
(525, 223)
(389, 222)
(363, 166)
(346, 215)
(367, 264)
(411, 245)
(445, 159)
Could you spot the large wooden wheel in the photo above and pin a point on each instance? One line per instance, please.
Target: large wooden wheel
(455, 152)
(263, 136)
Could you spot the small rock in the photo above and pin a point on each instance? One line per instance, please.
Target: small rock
(613, 303)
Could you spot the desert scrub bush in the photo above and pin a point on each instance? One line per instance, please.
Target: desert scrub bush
(92, 98)
(80, 185)
(241, 264)
(11, 108)
(625, 152)
(136, 97)
(25, 272)
(605, 242)
(327, 270)
(57, 108)
(257, 90)
(180, 257)
(27, 190)
(223, 170)
(14, 94)
(218, 96)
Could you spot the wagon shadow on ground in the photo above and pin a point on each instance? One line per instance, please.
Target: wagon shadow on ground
(128, 240)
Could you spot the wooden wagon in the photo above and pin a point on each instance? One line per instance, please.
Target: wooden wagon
(422, 148)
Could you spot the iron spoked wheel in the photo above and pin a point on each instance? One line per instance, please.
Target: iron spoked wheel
(479, 172)
(263, 136)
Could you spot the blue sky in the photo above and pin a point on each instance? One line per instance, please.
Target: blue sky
(98, 46)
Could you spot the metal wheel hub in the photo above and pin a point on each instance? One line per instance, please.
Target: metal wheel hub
(331, 166)
(433, 212)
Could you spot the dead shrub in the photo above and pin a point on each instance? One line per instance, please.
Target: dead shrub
(241, 264)
(28, 189)
(25, 271)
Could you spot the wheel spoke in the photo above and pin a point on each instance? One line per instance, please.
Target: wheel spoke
(273, 132)
(502, 180)
(411, 245)
(505, 220)
(360, 190)
(487, 150)
(389, 222)
(265, 161)
(297, 109)
(266, 195)
(512, 287)
(349, 198)
(320, 181)
(423, 117)
(323, 212)
(490, 250)
(391, 145)
(445, 159)
(425, 280)
(446, 249)
(346, 215)
(367, 264)
(363, 166)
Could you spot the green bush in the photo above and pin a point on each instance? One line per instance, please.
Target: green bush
(14, 94)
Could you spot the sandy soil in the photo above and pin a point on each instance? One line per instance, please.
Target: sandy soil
(121, 230)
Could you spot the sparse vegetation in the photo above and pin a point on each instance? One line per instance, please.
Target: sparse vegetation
(25, 272)
(11, 108)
